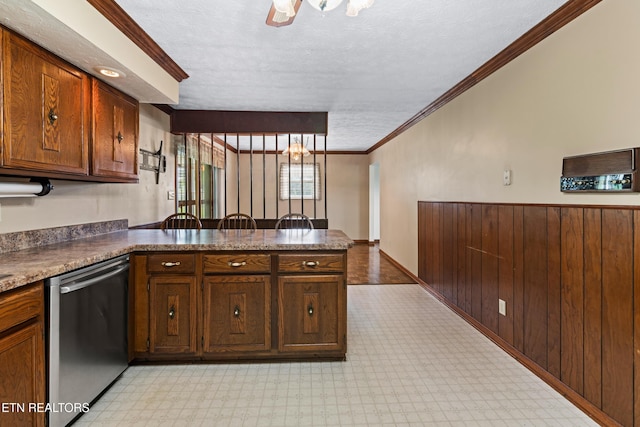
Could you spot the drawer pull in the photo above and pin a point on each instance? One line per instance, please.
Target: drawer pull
(237, 264)
(310, 309)
(170, 264)
(172, 312)
(236, 311)
(310, 264)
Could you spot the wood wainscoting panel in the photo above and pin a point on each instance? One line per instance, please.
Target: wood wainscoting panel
(592, 238)
(436, 240)
(617, 314)
(475, 255)
(535, 284)
(570, 278)
(572, 300)
(448, 285)
(461, 250)
(518, 278)
(636, 321)
(505, 271)
(489, 287)
(553, 291)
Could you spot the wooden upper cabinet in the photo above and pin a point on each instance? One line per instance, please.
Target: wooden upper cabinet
(115, 134)
(46, 110)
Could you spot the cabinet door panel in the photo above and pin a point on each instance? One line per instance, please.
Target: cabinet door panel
(22, 378)
(115, 133)
(173, 314)
(46, 109)
(237, 313)
(311, 313)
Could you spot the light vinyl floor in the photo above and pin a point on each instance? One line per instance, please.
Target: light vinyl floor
(410, 362)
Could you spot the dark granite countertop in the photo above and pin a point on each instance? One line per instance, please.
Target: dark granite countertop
(33, 264)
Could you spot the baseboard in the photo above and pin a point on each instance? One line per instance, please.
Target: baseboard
(398, 265)
(361, 242)
(568, 393)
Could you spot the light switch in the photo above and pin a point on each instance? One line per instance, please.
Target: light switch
(502, 307)
(171, 195)
(506, 177)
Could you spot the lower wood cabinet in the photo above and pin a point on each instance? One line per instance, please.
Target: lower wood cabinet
(172, 302)
(237, 314)
(22, 358)
(238, 305)
(312, 318)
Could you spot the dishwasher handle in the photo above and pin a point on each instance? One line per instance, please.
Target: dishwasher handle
(86, 283)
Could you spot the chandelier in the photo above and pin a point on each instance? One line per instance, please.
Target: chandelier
(353, 6)
(296, 150)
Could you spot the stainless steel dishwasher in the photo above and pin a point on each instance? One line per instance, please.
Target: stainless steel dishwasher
(86, 336)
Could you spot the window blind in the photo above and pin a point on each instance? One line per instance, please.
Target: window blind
(297, 182)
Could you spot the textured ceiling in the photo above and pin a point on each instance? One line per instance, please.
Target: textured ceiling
(371, 73)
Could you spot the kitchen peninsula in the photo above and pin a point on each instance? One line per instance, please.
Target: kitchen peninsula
(214, 295)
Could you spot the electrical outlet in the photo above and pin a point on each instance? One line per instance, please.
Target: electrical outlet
(502, 307)
(171, 195)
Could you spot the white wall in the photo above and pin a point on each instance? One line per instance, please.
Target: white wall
(576, 92)
(73, 202)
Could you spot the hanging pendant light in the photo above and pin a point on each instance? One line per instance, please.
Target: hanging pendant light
(296, 150)
(285, 6)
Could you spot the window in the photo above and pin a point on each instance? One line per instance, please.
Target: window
(199, 167)
(299, 181)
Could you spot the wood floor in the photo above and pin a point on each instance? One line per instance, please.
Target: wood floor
(366, 266)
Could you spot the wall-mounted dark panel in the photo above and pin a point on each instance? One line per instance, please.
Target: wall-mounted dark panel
(209, 121)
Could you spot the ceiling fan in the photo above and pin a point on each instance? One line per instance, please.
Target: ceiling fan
(283, 12)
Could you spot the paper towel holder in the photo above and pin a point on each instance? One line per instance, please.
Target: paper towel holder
(36, 187)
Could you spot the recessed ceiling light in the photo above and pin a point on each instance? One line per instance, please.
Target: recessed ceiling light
(110, 72)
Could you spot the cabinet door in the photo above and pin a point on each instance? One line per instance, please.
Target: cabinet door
(172, 314)
(115, 134)
(46, 105)
(237, 313)
(311, 313)
(22, 378)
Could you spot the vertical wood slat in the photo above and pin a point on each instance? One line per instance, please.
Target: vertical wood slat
(636, 321)
(454, 253)
(436, 249)
(422, 240)
(572, 299)
(617, 315)
(592, 243)
(505, 271)
(553, 291)
(461, 254)
(475, 284)
(447, 251)
(535, 284)
(489, 267)
(518, 278)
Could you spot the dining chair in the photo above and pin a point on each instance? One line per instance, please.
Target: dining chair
(181, 221)
(294, 221)
(237, 221)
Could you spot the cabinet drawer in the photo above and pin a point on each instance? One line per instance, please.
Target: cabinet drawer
(310, 262)
(237, 263)
(171, 263)
(20, 305)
